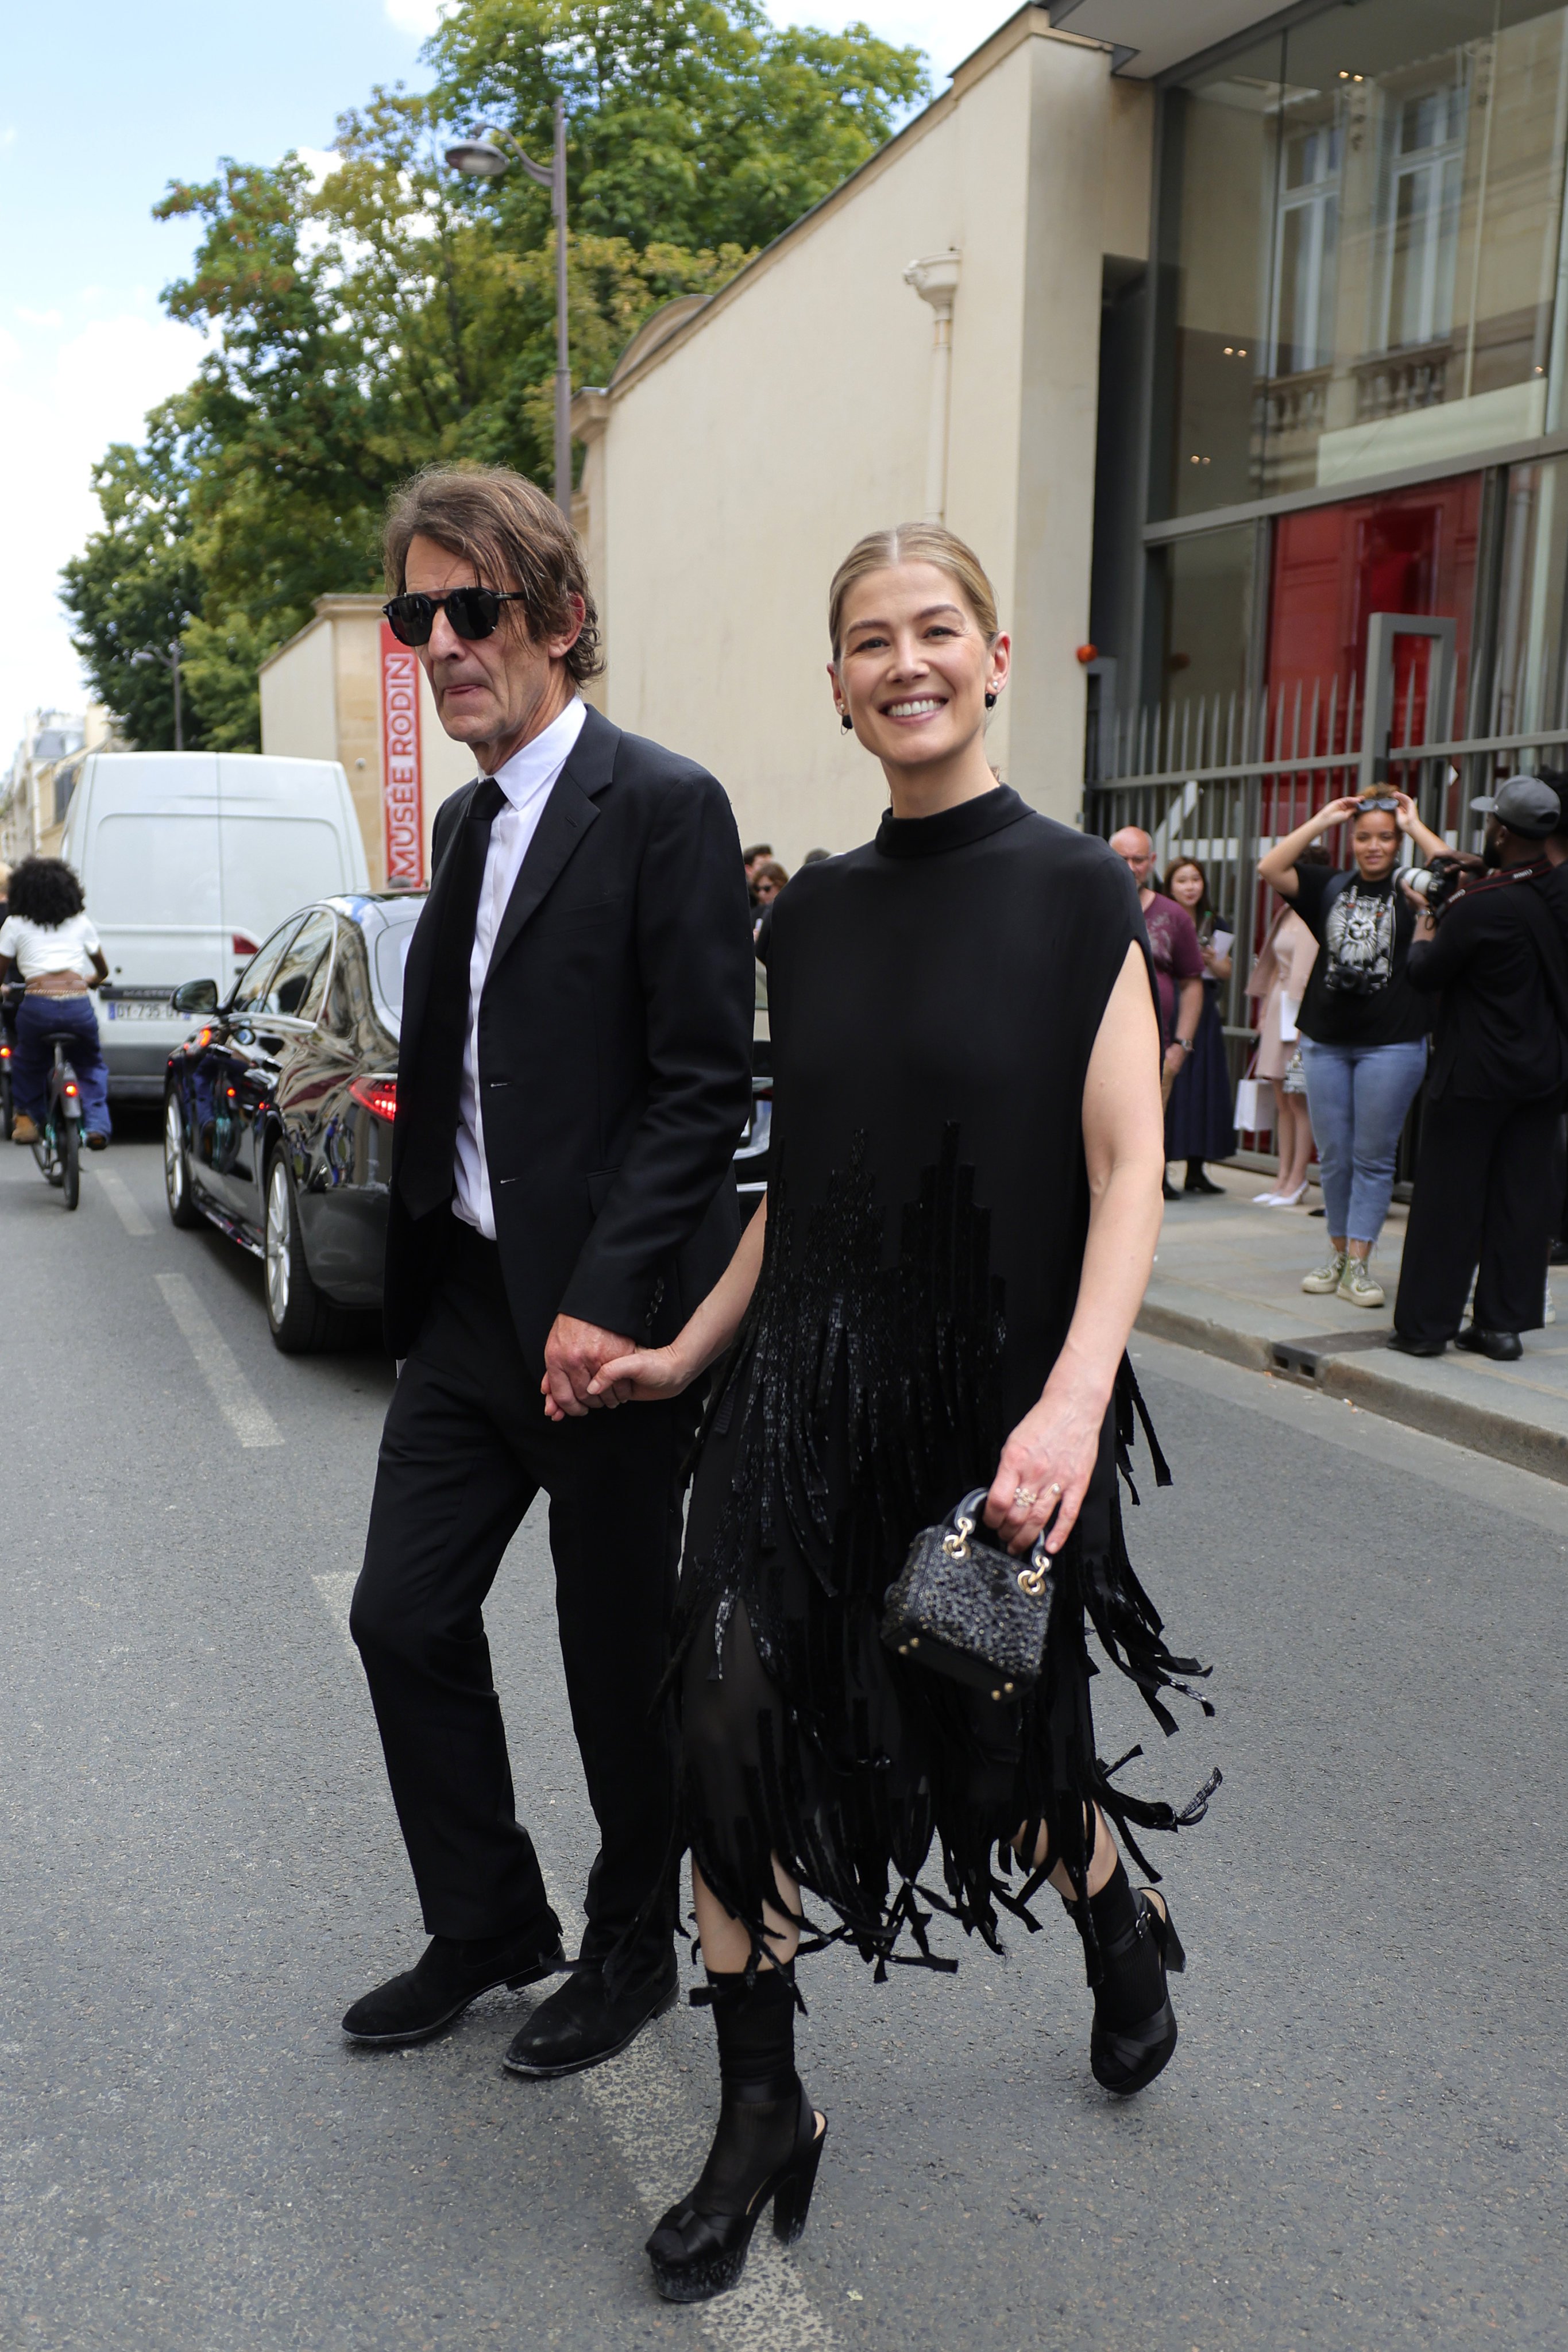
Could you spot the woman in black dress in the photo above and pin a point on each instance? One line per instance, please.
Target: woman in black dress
(1198, 1124)
(967, 1155)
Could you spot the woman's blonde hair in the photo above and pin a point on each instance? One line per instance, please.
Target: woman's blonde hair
(913, 542)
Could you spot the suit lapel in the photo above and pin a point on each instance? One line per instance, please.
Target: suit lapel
(566, 816)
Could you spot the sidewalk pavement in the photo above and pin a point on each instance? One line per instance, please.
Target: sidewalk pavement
(1227, 1280)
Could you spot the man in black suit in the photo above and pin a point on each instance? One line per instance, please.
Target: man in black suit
(574, 1074)
(1484, 1195)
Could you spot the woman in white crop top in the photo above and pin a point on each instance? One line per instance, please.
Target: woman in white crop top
(50, 939)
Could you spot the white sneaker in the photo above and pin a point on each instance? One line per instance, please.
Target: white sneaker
(1325, 1277)
(1357, 1287)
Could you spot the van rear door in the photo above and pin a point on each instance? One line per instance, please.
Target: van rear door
(289, 835)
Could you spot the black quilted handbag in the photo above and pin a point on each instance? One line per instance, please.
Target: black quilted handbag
(966, 1608)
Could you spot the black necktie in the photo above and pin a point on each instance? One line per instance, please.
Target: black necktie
(424, 1178)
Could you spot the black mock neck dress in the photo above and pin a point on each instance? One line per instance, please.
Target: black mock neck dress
(934, 1001)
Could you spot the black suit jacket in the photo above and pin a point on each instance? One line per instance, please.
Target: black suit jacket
(615, 1051)
(1497, 957)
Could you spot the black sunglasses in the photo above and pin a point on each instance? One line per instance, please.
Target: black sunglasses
(472, 612)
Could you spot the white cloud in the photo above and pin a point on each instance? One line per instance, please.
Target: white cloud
(39, 318)
(63, 398)
(420, 18)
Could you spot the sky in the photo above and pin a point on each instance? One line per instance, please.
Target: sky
(92, 129)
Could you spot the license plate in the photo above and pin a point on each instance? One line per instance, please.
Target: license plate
(124, 1008)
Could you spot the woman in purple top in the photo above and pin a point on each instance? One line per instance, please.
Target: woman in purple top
(1178, 960)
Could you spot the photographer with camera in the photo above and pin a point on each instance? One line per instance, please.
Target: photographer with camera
(1488, 946)
(1363, 1026)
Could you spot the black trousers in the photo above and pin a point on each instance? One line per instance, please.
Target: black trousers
(1484, 1196)
(465, 1449)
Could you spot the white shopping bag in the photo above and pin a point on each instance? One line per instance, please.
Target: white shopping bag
(1255, 1107)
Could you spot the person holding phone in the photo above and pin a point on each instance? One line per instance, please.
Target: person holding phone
(1363, 1025)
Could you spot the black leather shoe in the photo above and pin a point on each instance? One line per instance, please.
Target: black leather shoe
(1404, 1347)
(447, 1978)
(1502, 1347)
(1202, 1184)
(582, 2024)
(1168, 1190)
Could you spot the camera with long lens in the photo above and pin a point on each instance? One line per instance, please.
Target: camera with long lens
(1436, 882)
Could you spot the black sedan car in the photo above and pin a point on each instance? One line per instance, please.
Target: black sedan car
(278, 1115)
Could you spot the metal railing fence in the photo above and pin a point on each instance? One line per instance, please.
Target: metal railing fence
(1224, 778)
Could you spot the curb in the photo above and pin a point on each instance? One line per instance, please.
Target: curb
(1520, 1443)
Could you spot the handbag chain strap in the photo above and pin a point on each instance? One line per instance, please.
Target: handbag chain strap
(1032, 1578)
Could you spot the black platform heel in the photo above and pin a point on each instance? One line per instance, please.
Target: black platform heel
(697, 2252)
(1134, 2033)
(765, 2151)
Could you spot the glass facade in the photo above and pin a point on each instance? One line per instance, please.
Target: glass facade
(1363, 233)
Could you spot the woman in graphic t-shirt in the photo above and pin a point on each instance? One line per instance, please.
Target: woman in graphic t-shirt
(1363, 1027)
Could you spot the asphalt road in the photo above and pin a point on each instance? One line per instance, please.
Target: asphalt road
(1360, 2143)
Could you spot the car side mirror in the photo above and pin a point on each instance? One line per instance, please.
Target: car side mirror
(195, 996)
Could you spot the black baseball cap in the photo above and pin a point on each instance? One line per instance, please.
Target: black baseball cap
(1525, 805)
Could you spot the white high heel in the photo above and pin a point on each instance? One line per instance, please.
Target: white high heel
(1285, 1200)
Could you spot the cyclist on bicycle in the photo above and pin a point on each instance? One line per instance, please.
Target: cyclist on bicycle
(48, 938)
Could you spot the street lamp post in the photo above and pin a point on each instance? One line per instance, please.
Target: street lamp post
(481, 158)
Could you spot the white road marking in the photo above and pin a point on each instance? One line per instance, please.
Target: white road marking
(118, 1194)
(232, 1392)
(645, 2108)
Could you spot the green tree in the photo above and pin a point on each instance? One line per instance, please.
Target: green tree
(136, 586)
(394, 314)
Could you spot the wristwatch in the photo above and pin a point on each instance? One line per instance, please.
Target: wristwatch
(1185, 1043)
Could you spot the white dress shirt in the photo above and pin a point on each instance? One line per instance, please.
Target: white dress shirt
(527, 780)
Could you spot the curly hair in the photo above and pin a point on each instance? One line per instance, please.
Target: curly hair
(44, 890)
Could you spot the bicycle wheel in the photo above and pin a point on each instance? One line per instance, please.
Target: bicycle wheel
(44, 1153)
(71, 1162)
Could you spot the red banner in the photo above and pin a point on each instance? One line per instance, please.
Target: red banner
(402, 803)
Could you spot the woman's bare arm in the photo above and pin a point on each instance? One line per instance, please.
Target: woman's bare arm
(650, 1372)
(1057, 1442)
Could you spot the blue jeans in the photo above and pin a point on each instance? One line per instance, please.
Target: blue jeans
(38, 1017)
(1358, 1096)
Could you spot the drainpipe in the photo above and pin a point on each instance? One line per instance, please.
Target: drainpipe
(935, 281)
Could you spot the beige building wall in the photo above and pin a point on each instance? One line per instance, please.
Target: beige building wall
(732, 465)
(321, 700)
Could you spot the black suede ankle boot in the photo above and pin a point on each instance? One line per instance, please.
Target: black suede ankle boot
(768, 2143)
(1134, 2029)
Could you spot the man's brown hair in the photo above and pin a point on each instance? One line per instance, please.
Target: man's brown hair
(513, 536)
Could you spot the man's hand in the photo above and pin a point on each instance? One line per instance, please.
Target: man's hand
(573, 1354)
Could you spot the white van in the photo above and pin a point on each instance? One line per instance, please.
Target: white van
(188, 860)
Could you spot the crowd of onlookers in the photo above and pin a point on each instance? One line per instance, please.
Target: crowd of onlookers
(1373, 976)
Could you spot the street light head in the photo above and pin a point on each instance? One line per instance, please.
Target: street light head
(478, 158)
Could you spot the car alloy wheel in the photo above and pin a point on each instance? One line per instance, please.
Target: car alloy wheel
(174, 1155)
(279, 1242)
(183, 1209)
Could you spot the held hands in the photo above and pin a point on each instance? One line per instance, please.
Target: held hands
(642, 1376)
(1056, 1446)
(573, 1356)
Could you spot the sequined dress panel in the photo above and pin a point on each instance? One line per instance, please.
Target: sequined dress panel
(934, 1001)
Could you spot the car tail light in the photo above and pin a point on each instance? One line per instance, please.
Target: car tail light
(379, 1097)
(242, 943)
